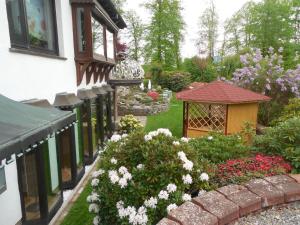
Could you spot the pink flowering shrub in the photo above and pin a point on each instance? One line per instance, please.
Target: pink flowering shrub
(143, 176)
(153, 94)
(266, 75)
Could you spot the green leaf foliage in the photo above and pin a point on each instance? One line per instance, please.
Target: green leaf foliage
(218, 148)
(282, 139)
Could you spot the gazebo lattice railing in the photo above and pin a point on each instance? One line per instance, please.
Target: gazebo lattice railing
(207, 117)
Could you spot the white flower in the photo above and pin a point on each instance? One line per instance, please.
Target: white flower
(122, 213)
(184, 139)
(176, 143)
(123, 170)
(171, 207)
(95, 182)
(140, 166)
(120, 204)
(124, 135)
(123, 182)
(113, 160)
(127, 176)
(153, 133)
(163, 195)
(182, 156)
(210, 138)
(187, 179)
(96, 220)
(140, 217)
(93, 197)
(93, 208)
(204, 177)
(201, 192)
(115, 138)
(164, 131)
(171, 188)
(113, 176)
(188, 165)
(151, 203)
(186, 197)
(147, 137)
(98, 173)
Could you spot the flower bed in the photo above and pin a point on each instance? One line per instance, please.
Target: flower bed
(240, 170)
(144, 176)
(139, 103)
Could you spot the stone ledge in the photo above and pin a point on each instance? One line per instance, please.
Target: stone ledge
(227, 204)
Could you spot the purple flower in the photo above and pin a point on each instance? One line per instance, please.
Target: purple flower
(244, 60)
(280, 49)
(271, 50)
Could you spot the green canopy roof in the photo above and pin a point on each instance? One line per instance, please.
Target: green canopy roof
(23, 125)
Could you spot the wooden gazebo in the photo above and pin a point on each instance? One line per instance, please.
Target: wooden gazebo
(220, 107)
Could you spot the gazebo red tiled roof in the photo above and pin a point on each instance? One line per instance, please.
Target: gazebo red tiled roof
(195, 85)
(221, 92)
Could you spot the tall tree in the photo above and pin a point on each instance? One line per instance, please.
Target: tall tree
(119, 4)
(296, 20)
(208, 32)
(270, 24)
(135, 34)
(164, 33)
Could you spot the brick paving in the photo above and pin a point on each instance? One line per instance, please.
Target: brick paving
(225, 205)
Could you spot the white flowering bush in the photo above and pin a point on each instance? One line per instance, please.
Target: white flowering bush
(145, 176)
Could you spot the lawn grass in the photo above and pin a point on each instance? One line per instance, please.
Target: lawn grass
(79, 212)
(172, 119)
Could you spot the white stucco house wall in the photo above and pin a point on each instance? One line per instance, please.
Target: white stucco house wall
(37, 63)
(25, 76)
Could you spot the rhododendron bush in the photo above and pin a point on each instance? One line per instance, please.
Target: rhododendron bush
(240, 170)
(143, 176)
(266, 75)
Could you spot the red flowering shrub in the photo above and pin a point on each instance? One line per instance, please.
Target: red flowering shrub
(153, 94)
(241, 170)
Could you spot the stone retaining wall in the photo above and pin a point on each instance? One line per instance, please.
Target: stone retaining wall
(143, 110)
(231, 202)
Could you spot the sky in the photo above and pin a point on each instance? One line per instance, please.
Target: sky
(192, 9)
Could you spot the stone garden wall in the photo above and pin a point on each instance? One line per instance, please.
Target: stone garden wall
(231, 202)
(139, 104)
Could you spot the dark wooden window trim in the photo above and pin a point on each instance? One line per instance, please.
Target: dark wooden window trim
(36, 53)
(87, 62)
(25, 45)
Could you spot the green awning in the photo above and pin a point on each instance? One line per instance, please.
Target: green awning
(24, 125)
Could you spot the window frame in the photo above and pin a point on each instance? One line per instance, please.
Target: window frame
(25, 43)
(3, 188)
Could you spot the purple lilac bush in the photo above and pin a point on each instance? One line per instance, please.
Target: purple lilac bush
(266, 75)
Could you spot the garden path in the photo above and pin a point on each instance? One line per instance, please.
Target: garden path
(278, 215)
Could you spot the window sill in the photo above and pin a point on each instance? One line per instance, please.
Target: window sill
(29, 52)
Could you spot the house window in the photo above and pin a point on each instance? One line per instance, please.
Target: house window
(2, 180)
(110, 45)
(98, 42)
(80, 29)
(32, 24)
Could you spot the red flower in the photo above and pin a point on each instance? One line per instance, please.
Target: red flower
(153, 94)
(261, 164)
